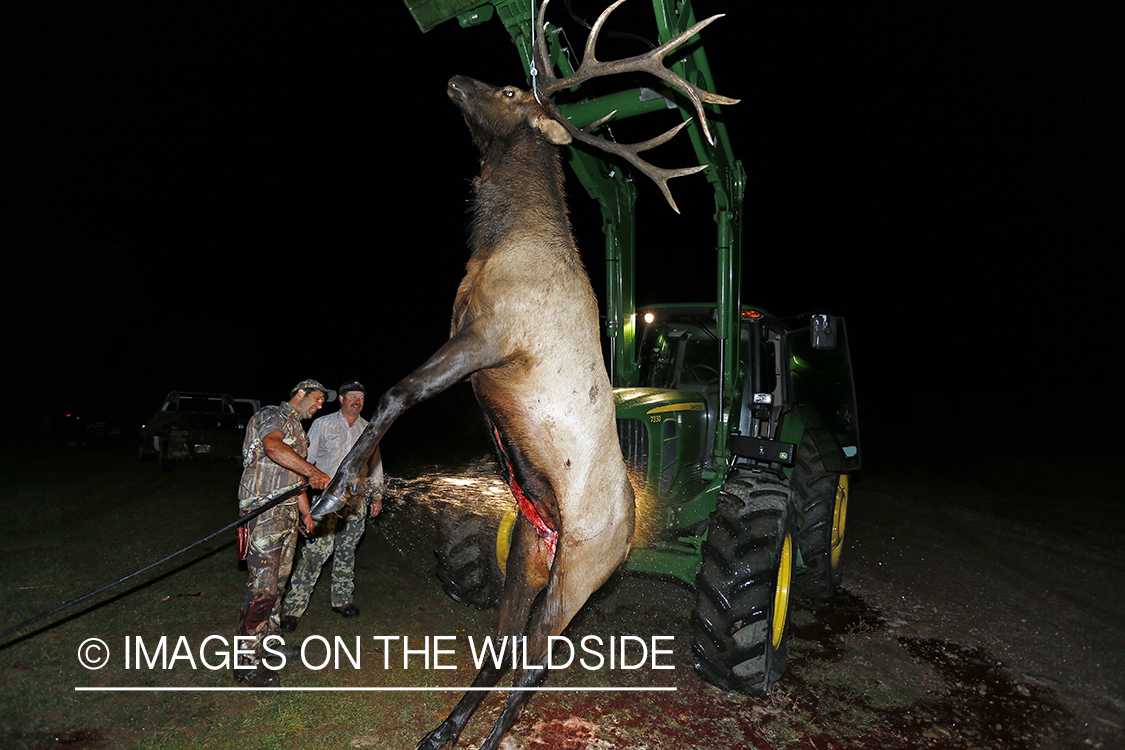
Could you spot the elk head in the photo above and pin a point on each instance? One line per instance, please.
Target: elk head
(493, 113)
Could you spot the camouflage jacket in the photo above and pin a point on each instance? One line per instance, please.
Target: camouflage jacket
(261, 477)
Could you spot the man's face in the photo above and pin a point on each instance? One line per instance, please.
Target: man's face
(351, 403)
(310, 404)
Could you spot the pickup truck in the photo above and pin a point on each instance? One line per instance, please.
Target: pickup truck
(191, 426)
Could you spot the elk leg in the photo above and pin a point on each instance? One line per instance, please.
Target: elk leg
(527, 678)
(556, 611)
(524, 678)
(527, 576)
(465, 353)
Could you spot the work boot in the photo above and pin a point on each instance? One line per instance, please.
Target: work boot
(292, 654)
(260, 676)
(348, 611)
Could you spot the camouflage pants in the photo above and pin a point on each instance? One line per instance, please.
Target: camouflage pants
(338, 538)
(269, 559)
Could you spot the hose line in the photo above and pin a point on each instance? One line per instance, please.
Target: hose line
(241, 520)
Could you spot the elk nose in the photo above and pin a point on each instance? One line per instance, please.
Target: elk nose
(463, 88)
(458, 89)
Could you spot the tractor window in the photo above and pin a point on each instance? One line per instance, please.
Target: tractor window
(820, 382)
(766, 361)
(700, 362)
(679, 353)
(656, 358)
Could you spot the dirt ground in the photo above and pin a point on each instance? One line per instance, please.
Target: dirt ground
(1019, 565)
(979, 610)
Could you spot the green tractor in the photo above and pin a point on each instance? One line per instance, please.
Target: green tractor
(740, 427)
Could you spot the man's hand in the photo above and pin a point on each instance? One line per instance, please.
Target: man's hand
(376, 506)
(318, 479)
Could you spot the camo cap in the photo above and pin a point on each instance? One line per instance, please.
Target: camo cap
(313, 385)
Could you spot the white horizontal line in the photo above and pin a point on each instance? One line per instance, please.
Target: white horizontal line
(360, 689)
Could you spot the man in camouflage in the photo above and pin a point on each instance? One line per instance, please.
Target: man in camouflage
(274, 460)
(330, 439)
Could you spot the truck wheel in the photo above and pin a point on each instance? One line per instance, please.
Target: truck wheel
(740, 626)
(822, 501)
(466, 555)
(163, 460)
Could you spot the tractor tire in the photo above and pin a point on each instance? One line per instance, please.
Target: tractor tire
(822, 504)
(740, 625)
(466, 555)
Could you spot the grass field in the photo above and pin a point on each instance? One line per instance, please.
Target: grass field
(90, 517)
(79, 519)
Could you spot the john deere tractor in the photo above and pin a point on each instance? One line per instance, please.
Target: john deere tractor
(740, 426)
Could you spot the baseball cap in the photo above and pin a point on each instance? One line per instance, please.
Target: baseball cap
(353, 385)
(313, 385)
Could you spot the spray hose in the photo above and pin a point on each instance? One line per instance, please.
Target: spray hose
(269, 503)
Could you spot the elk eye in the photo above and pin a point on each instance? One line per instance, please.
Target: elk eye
(509, 93)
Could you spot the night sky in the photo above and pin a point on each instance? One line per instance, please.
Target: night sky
(234, 197)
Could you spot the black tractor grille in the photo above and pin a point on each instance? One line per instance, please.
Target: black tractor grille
(633, 436)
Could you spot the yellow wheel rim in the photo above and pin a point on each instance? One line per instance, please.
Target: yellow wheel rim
(781, 594)
(839, 520)
(504, 539)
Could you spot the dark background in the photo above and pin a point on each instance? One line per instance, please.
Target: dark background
(234, 197)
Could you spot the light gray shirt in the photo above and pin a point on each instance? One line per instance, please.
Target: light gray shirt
(330, 439)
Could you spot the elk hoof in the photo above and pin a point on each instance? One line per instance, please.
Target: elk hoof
(443, 736)
(328, 503)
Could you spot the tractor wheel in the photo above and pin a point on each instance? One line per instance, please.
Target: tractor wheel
(466, 554)
(822, 502)
(740, 626)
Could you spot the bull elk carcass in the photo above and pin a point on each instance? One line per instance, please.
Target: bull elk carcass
(525, 332)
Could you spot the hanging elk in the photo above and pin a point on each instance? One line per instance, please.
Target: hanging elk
(525, 332)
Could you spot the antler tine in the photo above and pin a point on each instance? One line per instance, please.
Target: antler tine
(653, 62)
(629, 152)
(543, 60)
(649, 62)
(543, 66)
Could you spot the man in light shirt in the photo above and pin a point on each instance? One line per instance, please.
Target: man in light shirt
(330, 439)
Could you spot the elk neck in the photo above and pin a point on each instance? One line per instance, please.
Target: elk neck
(519, 190)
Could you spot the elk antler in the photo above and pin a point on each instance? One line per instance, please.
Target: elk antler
(650, 62)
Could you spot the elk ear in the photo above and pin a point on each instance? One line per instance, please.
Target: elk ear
(551, 129)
